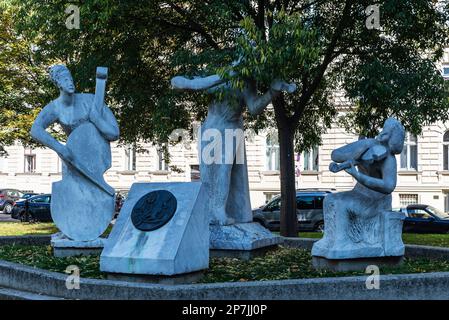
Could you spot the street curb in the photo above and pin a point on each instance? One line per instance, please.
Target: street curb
(408, 286)
(36, 282)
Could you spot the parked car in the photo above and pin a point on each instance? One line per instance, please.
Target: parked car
(36, 208)
(309, 211)
(7, 199)
(421, 218)
(27, 195)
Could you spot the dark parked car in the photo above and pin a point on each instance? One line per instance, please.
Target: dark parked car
(36, 208)
(28, 195)
(309, 211)
(7, 199)
(421, 218)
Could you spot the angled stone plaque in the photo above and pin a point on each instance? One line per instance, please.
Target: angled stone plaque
(162, 229)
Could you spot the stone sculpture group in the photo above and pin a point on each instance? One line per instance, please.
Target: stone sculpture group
(169, 228)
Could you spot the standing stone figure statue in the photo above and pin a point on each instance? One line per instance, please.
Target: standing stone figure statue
(360, 223)
(227, 179)
(82, 203)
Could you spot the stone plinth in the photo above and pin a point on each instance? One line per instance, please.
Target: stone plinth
(387, 233)
(185, 278)
(179, 246)
(65, 247)
(343, 265)
(242, 237)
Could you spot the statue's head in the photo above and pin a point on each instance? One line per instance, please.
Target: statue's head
(62, 78)
(393, 134)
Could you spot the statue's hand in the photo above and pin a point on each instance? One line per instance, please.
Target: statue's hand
(95, 114)
(179, 82)
(352, 170)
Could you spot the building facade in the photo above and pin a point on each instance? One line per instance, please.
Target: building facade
(423, 167)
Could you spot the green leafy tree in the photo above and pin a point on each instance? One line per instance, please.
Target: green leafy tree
(326, 47)
(322, 46)
(20, 79)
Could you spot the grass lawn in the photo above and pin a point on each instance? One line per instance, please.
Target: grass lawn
(283, 263)
(24, 229)
(40, 228)
(439, 240)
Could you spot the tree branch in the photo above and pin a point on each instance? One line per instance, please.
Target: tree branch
(194, 26)
(328, 58)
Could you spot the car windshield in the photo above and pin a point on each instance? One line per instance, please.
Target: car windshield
(438, 213)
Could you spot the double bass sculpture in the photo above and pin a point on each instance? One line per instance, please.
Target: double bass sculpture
(82, 202)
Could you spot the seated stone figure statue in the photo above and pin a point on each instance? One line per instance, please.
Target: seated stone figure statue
(360, 223)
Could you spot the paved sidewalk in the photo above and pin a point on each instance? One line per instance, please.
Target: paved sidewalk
(6, 217)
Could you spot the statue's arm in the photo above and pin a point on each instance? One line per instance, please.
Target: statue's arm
(256, 103)
(385, 185)
(43, 120)
(199, 83)
(105, 123)
(352, 150)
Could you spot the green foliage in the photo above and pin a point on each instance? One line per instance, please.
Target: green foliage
(42, 257)
(20, 79)
(321, 46)
(279, 264)
(392, 71)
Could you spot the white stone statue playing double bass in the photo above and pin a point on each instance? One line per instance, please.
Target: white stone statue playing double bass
(227, 179)
(82, 203)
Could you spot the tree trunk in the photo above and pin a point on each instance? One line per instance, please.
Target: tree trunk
(289, 220)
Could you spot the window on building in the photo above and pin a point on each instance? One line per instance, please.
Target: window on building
(446, 201)
(446, 151)
(409, 155)
(407, 199)
(445, 72)
(311, 159)
(162, 165)
(272, 153)
(3, 164)
(30, 161)
(270, 196)
(130, 158)
(58, 165)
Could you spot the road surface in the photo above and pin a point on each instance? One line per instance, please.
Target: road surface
(6, 217)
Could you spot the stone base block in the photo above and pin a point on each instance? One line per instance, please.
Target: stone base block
(360, 264)
(241, 236)
(384, 234)
(186, 278)
(179, 246)
(65, 247)
(73, 252)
